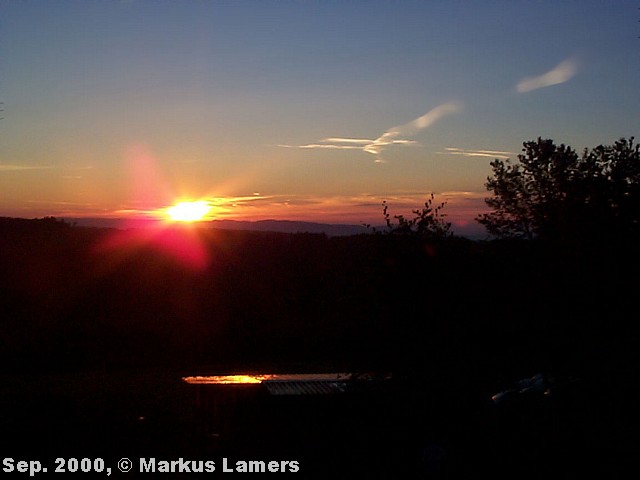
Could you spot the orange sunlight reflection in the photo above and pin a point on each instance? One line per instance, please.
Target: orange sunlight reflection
(227, 379)
(250, 379)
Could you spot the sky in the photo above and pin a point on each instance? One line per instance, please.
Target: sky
(299, 110)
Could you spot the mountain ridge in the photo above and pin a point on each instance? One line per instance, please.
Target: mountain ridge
(270, 225)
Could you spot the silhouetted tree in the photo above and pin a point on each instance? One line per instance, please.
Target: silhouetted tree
(553, 193)
(428, 222)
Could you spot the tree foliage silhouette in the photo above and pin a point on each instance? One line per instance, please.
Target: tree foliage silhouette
(554, 193)
(428, 222)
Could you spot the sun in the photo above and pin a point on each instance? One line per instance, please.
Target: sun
(188, 211)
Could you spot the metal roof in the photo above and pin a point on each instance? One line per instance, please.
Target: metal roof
(304, 387)
(282, 384)
(261, 378)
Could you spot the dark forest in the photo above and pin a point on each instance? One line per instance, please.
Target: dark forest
(457, 318)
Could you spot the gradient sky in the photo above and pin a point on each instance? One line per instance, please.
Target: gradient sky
(301, 110)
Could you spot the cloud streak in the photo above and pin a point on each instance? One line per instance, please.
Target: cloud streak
(20, 168)
(393, 136)
(562, 73)
(358, 208)
(478, 153)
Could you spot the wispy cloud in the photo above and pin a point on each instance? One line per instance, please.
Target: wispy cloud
(323, 145)
(563, 72)
(394, 136)
(356, 209)
(477, 153)
(57, 208)
(18, 168)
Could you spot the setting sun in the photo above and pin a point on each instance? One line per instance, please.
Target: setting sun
(188, 211)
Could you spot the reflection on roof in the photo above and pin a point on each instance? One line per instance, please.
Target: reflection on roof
(268, 379)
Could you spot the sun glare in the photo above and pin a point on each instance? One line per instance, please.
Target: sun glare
(188, 211)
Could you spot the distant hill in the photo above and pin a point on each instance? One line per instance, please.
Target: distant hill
(289, 226)
(281, 226)
(473, 231)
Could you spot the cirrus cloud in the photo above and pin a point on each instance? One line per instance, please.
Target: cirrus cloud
(563, 72)
(4, 167)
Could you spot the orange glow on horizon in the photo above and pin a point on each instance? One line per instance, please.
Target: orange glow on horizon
(183, 245)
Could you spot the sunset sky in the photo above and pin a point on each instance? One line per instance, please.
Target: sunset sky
(300, 110)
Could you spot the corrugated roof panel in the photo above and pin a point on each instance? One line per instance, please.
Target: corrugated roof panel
(309, 387)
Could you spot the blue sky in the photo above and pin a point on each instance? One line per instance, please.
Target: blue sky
(298, 109)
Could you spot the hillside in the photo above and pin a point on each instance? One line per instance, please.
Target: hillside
(98, 324)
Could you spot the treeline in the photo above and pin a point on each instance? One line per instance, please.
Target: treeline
(447, 306)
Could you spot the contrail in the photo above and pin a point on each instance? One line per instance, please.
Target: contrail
(478, 153)
(393, 136)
